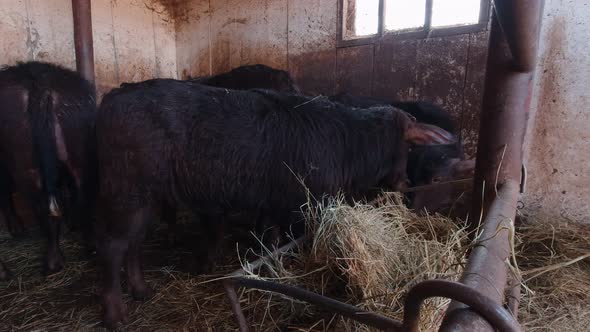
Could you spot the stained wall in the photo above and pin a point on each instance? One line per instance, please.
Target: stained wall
(557, 141)
(301, 36)
(133, 39)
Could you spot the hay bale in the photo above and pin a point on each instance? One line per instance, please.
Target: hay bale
(371, 257)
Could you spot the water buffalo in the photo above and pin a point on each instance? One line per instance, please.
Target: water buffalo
(426, 164)
(217, 149)
(46, 144)
(252, 77)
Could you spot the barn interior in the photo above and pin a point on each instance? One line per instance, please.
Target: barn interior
(513, 78)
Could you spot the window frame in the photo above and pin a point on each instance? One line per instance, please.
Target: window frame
(424, 32)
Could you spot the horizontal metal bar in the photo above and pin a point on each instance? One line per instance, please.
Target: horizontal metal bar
(346, 310)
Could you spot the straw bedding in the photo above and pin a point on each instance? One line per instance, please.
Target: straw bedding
(369, 256)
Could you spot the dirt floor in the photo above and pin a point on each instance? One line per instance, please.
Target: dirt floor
(553, 258)
(68, 300)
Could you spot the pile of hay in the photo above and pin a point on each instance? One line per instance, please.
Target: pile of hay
(554, 258)
(371, 256)
(368, 256)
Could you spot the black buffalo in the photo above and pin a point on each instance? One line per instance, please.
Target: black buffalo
(252, 77)
(426, 164)
(46, 144)
(216, 149)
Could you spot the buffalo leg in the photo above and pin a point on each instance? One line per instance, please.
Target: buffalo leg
(81, 216)
(138, 288)
(210, 247)
(54, 260)
(122, 241)
(111, 252)
(13, 223)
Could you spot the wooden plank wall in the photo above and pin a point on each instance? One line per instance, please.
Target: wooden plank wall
(300, 36)
(134, 40)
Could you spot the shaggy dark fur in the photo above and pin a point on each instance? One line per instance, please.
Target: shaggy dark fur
(426, 164)
(252, 77)
(241, 78)
(215, 150)
(46, 142)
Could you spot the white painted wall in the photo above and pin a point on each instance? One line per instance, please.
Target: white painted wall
(557, 141)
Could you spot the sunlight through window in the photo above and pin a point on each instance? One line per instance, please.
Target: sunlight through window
(366, 17)
(403, 14)
(361, 17)
(455, 12)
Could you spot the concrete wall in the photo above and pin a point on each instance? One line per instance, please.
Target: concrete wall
(300, 36)
(557, 141)
(133, 40)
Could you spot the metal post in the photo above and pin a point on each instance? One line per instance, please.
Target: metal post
(486, 269)
(503, 121)
(507, 95)
(521, 30)
(83, 38)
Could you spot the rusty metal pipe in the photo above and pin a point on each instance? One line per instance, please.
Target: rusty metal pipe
(81, 10)
(486, 268)
(500, 318)
(236, 307)
(506, 103)
(346, 310)
(521, 22)
(504, 114)
(237, 279)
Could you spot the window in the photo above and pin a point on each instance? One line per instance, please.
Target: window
(366, 20)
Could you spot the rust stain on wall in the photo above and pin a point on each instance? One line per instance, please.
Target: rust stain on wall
(440, 72)
(550, 93)
(354, 70)
(547, 171)
(235, 21)
(473, 91)
(178, 10)
(394, 76)
(314, 72)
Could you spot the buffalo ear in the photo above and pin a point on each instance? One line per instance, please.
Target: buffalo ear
(425, 134)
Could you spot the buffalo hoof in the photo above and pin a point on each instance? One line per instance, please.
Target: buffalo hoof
(115, 314)
(54, 264)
